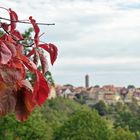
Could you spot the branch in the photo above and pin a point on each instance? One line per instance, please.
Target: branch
(26, 22)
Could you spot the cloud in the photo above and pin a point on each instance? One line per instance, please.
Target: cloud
(98, 61)
(91, 35)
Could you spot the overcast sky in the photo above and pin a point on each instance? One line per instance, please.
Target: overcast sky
(96, 37)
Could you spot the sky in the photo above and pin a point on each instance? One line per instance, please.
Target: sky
(100, 38)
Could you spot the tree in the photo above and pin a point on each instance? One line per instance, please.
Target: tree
(42, 123)
(96, 86)
(130, 86)
(123, 119)
(49, 78)
(133, 106)
(1, 33)
(101, 108)
(35, 128)
(119, 107)
(84, 125)
(69, 85)
(129, 119)
(123, 134)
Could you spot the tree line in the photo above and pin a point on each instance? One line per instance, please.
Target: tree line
(65, 119)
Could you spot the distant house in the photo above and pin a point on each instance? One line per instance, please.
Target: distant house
(109, 88)
(52, 93)
(123, 93)
(79, 89)
(71, 96)
(118, 89)
(128, 97)
(91, 95)
(136, 95)
(58, 89)
(66, 92)
(111, 97)
(100, 95)
(127, 94)
(108, 94)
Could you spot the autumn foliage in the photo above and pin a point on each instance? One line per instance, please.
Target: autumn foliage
(17, 94)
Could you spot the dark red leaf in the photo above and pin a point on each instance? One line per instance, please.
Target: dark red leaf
(5, 53)
(41, 89)
(36, 29)
(17, 35)
(11, 47)
(19, 48)
(17, 64)
(10, 75)
(28, 63)
(36, 57)
(52, 49)
(53, 52)
(26, 84)
(24, 105)
(44, 46)
(44, 63)
(5, 26)
(13, 18)
(7, 99)
(4, 37)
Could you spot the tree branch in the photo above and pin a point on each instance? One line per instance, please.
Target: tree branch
(26, 22)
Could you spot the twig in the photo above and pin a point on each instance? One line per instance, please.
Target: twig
(25, 22)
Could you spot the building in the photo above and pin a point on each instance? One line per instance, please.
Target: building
(87, 81)
(52, 93)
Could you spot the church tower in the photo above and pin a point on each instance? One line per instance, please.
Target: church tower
(87, 81)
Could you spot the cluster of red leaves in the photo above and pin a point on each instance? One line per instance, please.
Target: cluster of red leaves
(16, 92)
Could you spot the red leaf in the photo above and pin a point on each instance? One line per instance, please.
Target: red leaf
(7, 99)
(28, 63)
(4, 37)
(10, 75)
(11, 47)
(17, 93)
(26, 84)
(5, 53)
(35, 57)
(31, 53)
(17, 34)
(36, 29)
(5, 26)
(44, 63)
(53, 52)
(16, 63)
(13, 18)
(44, 46)
(41, 89)
(24, 105)
(19, 48)
(52, 49)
